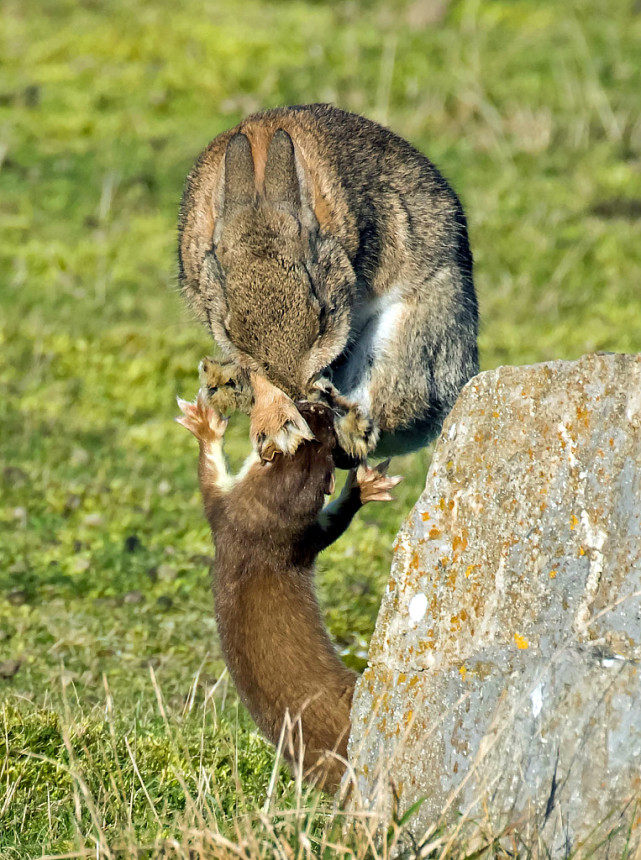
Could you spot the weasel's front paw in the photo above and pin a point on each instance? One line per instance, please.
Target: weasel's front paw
(357, 434)
(205, 423)
(374, 483)
(226, 385)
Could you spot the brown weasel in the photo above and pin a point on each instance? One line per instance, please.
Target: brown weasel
(268, 525)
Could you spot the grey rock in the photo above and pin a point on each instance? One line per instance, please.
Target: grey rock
(503, 684)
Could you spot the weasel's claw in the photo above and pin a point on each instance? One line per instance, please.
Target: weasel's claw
(206, 424)
(374, 483)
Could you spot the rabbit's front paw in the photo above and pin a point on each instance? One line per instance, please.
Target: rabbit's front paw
(205, 423)
(357, 434)
(226, 385)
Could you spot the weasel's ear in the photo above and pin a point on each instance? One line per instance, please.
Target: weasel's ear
(285, 181)
(237, 184)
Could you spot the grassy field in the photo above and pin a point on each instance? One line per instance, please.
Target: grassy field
(119, 728)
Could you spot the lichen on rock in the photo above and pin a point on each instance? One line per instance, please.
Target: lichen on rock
(503, 682)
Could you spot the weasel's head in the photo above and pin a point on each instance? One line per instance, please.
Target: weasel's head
(296, 485)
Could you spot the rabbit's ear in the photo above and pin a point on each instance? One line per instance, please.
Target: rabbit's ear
(285, 184)
(236, 188)
(239, 188)
(281, 179)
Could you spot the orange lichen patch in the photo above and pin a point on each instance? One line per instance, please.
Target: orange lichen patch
(573, 522)
(402, 677)
(463, 672)
(413, 565)
(583, 414)
(495, 414)
(434, 533)
(553, 574)
(611, 443)
(521, 642)
(581, 551)
(450, 504)
(469, 570)
(425, 516)
(463, 615)
(459, 542)
(408, 717)
(543, 506)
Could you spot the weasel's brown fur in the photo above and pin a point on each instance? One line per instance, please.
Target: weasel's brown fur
(268, 526)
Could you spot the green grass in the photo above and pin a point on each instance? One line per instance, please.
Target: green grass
(530, 108)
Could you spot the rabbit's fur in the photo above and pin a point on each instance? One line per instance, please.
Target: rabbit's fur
(314, 242)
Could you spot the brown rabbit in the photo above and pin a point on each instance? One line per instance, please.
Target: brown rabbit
(325, 253)
(269, 525)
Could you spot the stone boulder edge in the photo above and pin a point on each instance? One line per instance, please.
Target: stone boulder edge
(503, 685)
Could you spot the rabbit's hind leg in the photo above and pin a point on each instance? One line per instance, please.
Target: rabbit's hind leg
(421, 353)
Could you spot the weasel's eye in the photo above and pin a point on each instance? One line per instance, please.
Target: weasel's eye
(212, 391)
